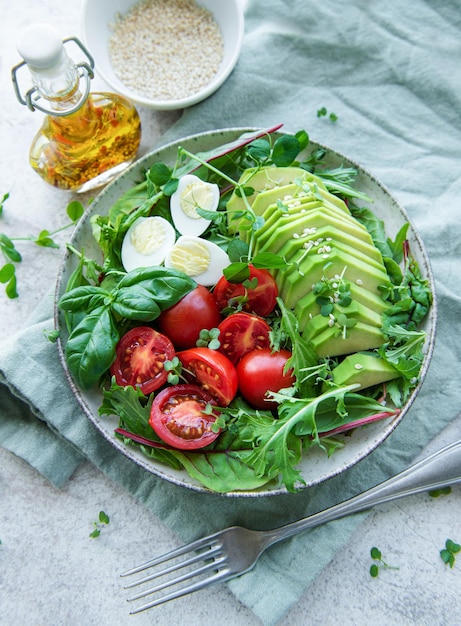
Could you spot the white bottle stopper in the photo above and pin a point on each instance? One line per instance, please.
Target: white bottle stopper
(41, 47)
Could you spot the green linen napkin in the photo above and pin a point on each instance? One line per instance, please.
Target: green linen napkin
(398, 114)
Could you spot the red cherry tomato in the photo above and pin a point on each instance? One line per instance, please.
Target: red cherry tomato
(177, 416)
(261, 371)
(260, 299)
(183, 322)
(140, 355)
(241, 333)
(211, 370)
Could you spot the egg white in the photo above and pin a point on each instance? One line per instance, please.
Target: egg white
(147, 242)
(199, 258)
(193, 192)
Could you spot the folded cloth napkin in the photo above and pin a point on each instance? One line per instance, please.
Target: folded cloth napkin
(398, 114)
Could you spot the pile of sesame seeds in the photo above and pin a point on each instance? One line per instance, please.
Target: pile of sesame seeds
(166, 49)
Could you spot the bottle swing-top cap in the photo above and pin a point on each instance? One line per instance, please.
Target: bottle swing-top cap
(44, 54)
(41, 47)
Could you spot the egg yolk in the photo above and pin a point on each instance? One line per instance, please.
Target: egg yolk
(148, 236)
(196, 194)
(192, 258)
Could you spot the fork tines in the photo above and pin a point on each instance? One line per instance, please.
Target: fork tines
(201, 558)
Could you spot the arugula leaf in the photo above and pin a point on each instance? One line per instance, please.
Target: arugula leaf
(303, 355)
(278, 441)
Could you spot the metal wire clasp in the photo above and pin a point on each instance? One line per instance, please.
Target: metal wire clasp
(85, 70)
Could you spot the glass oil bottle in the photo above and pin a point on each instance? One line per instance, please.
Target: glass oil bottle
(86, 138)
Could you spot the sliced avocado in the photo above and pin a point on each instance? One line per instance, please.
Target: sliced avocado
(310, 216)
(297, 282)
(287, 194)
(364, 368)
(292, 194)
(270, 230)
(355, 310)
(331, 342)
(260, 179)
(332, 235)
(307, 306)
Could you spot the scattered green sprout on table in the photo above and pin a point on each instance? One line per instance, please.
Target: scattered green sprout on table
(448, 553)
(376, 555)
(44, 239)
(103, 519)
(2, 201)
(322, 112)
(443, 491)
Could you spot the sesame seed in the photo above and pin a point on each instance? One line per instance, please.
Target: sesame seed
(166, 49)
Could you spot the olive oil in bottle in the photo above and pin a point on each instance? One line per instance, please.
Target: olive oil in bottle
(86, 138)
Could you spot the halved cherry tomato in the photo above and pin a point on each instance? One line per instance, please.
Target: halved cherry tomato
(140, 355)
(241, 333)
(183, 322)
(211, 370)
(260, 299)
(261, 371)
(178, 417)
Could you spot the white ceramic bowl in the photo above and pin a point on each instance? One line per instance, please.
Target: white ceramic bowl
(315, 466)
(98, 15)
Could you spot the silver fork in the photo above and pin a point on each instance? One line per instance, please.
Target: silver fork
(235, 550)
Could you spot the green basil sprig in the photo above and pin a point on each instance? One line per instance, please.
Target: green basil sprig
(140, 295)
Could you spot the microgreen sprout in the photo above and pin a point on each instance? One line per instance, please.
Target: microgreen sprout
(376, 555)
(209, 339)
(443, 491)
(448, 553)
(52, 335)
(3, 200)
(174, 369)
(103, 518)
(322, 112)
(332, 292)
(44, 239)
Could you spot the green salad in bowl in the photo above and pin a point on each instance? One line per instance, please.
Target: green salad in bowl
(245, 312)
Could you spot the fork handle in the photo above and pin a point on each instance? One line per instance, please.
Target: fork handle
(441, 469)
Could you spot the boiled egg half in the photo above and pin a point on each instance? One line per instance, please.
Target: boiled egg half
(199, 258)
(147, 242)
(193, 193)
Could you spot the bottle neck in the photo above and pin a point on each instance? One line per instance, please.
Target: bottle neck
(59, 85)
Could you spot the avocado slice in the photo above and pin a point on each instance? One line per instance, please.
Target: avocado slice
(354, 310)
(310, 215)
(268, 235)
(364, 368)
(307, 307)
(260, 179)
(296, 282)
(292, 194)
(330, 342)
(332, 236)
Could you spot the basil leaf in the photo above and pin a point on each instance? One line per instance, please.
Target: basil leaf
(136, 303)
(86, 298)
(90, 349)
(164, 285)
